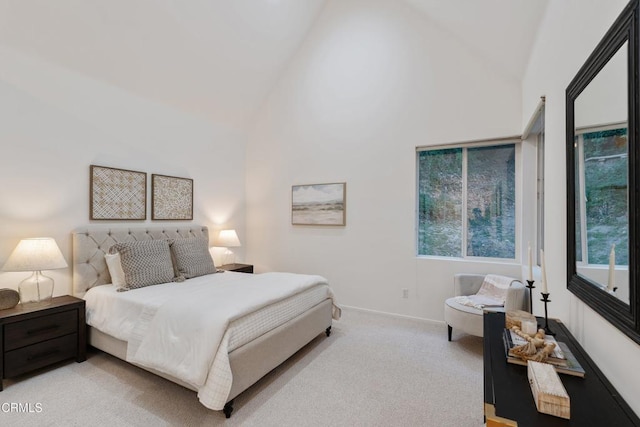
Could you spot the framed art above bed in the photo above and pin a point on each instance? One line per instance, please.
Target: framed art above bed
(171, 198)
(117, 194)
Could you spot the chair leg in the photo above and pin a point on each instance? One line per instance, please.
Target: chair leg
(228, 409)
(449, 330)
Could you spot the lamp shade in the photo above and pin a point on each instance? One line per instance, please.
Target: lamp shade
(40, 253)
(228, 239)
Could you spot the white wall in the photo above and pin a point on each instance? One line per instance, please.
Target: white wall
(369, 85)
(372, 81)
(570, 31)
(55, 122)
(604, 100)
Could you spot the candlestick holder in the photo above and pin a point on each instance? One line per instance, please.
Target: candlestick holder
(530, 287)
(545, 299)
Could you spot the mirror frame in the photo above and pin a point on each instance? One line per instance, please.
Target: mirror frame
(623, 316)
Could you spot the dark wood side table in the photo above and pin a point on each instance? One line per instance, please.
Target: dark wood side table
(35, 337)
(507, 395)
(239, 268)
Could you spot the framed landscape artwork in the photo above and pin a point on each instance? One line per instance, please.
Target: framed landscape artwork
(171, 198)
(319, 204)
(117, 194)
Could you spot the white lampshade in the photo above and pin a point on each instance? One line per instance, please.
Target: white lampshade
(228, 239)
(41, 253)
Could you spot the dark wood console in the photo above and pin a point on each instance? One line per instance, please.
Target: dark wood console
(507, 396)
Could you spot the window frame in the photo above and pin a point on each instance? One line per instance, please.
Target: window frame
(534, 136)
(540, 151)
(516, 141)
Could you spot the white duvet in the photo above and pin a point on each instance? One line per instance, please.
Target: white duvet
(178, 328)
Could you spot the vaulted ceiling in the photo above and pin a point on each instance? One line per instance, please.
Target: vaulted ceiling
(501, 31)
(219, 59)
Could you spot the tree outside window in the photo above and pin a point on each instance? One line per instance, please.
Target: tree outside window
(602, 208)
(467, 202)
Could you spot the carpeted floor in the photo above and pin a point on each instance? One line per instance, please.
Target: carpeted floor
(374, 370)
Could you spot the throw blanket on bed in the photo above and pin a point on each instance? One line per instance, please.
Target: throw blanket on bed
(492, 293)
(184, 336)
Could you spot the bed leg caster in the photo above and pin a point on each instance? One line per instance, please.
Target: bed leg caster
(228, 409)
(328, 331)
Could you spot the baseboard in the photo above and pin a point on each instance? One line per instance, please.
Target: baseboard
(396, 315)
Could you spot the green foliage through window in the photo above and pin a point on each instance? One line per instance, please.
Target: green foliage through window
(486, 228)
(605, 198)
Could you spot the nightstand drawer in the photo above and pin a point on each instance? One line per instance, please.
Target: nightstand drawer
(36, 356)
(21, 334)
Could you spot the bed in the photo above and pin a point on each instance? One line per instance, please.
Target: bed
(264, 318)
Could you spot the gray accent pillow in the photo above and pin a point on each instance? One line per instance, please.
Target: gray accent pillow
(145, 263)
(191, 257)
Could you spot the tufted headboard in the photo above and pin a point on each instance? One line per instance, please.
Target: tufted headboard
(91, 243)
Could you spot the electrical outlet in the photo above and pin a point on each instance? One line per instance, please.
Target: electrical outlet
(405, 293)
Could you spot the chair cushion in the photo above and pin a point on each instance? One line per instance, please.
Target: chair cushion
(451, 302)
(465, 318)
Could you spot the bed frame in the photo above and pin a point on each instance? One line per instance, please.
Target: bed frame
(249, 362)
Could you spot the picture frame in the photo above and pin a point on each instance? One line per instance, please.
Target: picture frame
(319, 204)
(117, 194)
(171, 198)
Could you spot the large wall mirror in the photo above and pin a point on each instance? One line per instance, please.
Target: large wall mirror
(603, 166)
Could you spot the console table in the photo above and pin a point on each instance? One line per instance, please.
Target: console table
(507, 395)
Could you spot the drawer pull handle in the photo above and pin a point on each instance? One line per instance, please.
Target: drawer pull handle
(43, 329)
(43, 354)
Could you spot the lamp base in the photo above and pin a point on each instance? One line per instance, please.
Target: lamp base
(36, 290)
(228, 257)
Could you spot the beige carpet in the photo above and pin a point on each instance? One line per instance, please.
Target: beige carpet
(374, 370)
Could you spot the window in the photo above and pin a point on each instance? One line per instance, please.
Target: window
(601, 186)
(467, 201)
(533, 138)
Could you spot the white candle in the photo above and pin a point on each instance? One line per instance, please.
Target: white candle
(529, 327)
(543, 275)
(612, 268)
(530, 261)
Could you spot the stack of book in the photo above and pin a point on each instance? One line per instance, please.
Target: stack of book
(562, 359)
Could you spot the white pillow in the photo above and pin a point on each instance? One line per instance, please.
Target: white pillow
(114, 265)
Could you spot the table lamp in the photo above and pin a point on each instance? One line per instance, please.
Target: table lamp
(228, 239)
(36, 254)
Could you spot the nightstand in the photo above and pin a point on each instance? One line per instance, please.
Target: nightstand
(239, 268)
(35, 337)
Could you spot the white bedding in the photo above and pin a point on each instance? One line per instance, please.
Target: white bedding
(181, 328)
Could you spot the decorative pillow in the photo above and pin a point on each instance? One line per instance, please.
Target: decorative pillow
(191, 257)
(115, 269)
(144, 263)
